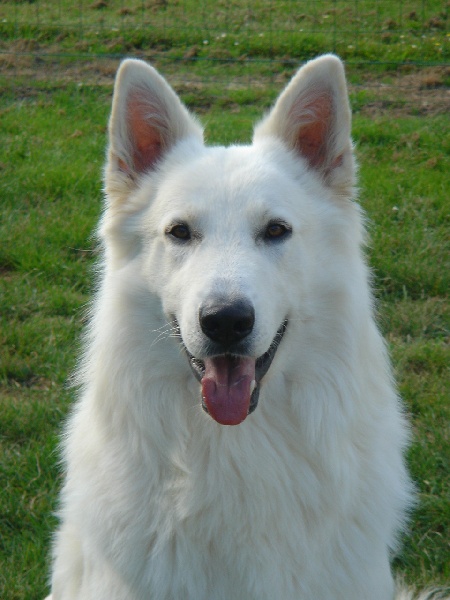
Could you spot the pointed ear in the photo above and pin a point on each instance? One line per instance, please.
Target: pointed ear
(312, 117)
(147, 119)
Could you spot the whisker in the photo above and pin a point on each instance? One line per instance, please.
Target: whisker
(164, 332)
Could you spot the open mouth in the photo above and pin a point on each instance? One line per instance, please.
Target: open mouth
(230, 384)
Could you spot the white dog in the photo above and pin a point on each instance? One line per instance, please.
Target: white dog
(233, 281)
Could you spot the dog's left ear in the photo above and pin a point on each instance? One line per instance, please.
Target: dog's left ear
(312, 117)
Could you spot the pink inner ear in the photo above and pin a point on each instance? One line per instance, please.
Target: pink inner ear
(313, 137)
(145, 136)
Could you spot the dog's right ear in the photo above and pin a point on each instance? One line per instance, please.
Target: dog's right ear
(147, 119)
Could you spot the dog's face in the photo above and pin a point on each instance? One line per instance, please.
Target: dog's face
(223, 239)
(224, 231)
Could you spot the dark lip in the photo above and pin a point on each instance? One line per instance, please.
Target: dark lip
(262, 363)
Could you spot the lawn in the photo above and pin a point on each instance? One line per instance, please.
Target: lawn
(370, 30)
(52, 130)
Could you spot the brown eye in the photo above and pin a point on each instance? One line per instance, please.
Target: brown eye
(180, 232)
(276, 231)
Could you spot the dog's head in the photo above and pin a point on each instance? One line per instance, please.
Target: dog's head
(223, 234)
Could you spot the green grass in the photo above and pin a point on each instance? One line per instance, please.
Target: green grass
(52, 137)
(365, 30)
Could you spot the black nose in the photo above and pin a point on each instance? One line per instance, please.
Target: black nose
(227, 323)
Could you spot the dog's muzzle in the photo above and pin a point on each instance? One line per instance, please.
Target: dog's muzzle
(230, 379)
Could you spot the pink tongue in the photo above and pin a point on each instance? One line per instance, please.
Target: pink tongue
(226, 388)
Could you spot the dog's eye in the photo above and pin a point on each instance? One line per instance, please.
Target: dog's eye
(180, 232)
(276, 230)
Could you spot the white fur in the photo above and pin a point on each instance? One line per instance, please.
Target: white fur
(303, 500)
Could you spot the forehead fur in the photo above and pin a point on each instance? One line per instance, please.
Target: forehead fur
(212, 176)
